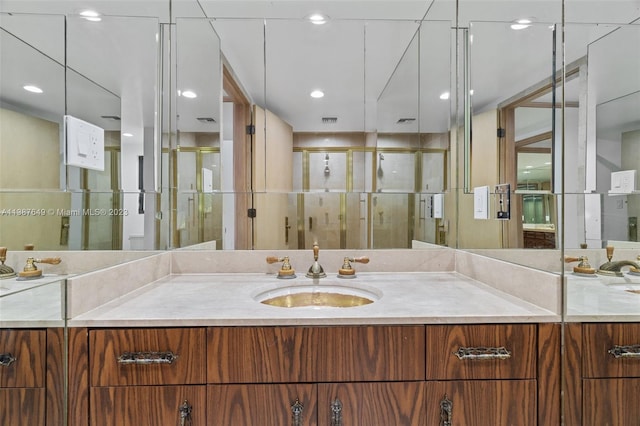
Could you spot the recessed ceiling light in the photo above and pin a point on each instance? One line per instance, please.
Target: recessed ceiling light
(521, 24)
(445, 96)
(32, 88)
(317, 94)
(318, 18)
(127, 135)
(91, 15)
(188, 94)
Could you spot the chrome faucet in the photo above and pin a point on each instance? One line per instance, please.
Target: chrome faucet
(316, 271)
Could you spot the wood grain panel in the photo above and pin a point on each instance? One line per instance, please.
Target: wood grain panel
(368, 404)
(259, 355)
(28, 348)
(549, 374)
(147, 405)
(369, 353)
(107, 345)
(611, 402)
(572, 373)
(484, 402)
(78, 376)
(22, 406)
(260, 405)
(599, 339)
(55, 397)
(444, 340)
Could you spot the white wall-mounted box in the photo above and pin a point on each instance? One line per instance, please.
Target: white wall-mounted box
(623, 182)
(84, 144)
(438, 206)
(481, 202)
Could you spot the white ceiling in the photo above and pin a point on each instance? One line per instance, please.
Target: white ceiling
(352, 58)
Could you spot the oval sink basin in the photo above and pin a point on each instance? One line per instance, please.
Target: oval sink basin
(317, 296)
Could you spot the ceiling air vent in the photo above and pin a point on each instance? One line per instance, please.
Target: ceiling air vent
(329, 120)
(405, 120)
(111, 117)
(206, 119)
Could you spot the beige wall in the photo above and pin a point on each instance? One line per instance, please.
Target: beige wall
(29, 152)
(470, 232)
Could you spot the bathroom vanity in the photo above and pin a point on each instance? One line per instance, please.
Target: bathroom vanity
(434, 345)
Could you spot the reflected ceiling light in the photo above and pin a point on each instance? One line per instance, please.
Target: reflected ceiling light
(31, 88)
(521, 24)
(317, 94)
(445, 96)
(471, 92)
(91, 15)
(127, 135)
(318, 19)
(526, 172)
(188, 94)
(547, 163)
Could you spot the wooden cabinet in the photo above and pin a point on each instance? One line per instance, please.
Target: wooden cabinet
(482, 375)
(307, 376)
(147, 376)
(605, 385)
(31, 377)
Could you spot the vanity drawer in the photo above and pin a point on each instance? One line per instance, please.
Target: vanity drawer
(370, 353)
(22, 354)
(611, 350)
(465, 352)
(163, 356)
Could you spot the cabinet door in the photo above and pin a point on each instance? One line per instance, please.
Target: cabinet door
(492, 351)
(23, 361)
(148, 405)
(22, 406)
(481, 403)
(262, 405)
(367, 404)
(611, 402)
(163, 356)
(611, 350)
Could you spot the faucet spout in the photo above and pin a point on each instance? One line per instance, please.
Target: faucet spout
(316, 270)
(615, 268)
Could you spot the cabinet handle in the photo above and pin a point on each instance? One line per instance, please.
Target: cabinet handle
(6, 359)
(336, 413)
(482, 353)
(184, 412)
(144, 358)
(631, 351)
(296, 410)
(446, 411)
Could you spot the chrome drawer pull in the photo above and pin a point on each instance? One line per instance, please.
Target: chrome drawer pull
(7, 359)
(482, 353)
(631, 351)
(446, 411)
(185, 414)
(296, 411)
(147, 358)
(336, 413)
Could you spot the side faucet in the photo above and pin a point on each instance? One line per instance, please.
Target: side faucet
(347, 271)
(615, 268)
(285, 271)
(316, 270)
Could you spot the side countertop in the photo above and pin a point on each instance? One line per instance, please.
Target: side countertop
(600, 298)
(231, 299)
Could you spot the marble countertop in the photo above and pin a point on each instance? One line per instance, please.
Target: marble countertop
(230, 299)
(600, 298)
(32, 303)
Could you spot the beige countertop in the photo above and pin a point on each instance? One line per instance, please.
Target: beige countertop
(32, 303)
(230, 299)
(600, 298)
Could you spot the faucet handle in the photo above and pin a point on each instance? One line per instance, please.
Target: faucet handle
(583, 267)
(285, 271)
(610, 250)
(346, 271)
